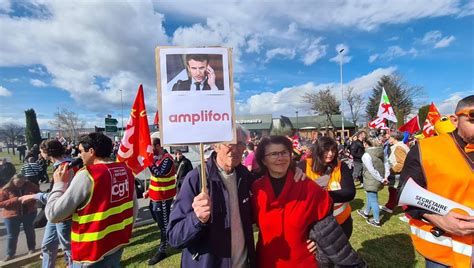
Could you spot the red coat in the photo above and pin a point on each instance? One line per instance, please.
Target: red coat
(284, 221)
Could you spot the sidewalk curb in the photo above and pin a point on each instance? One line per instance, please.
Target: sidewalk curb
(30, 258)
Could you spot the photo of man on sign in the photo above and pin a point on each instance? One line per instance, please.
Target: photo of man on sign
(195, 72)
(195, 95)
(201, 75)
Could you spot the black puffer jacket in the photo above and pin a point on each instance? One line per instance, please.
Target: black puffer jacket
(332, 241)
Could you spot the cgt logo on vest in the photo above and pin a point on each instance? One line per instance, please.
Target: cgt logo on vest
(119, 184)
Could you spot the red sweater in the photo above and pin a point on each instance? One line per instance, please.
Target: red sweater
(284, 221)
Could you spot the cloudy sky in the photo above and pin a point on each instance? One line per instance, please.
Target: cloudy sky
(79, 55)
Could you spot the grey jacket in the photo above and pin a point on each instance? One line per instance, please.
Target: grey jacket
(371, 184)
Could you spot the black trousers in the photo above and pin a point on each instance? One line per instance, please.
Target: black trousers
(160, 211)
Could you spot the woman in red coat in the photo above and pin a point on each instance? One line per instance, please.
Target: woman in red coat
(287, 212)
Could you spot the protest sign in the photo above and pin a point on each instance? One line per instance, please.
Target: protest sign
(195, 95)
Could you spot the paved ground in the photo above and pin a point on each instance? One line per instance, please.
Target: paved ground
(22, 249)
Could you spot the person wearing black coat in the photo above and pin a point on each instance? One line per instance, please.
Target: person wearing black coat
(183, 166)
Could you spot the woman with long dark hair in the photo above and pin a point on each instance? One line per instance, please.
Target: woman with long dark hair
(325, 168)
(288, 213)
(15, 213)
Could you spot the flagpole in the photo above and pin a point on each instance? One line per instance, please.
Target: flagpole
(342, 97)
(203, 169)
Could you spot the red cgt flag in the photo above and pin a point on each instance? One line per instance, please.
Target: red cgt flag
(432, 117)
(135, 149)
(412, 126)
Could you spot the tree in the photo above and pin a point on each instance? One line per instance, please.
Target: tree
(68, 124)
(402, 97)
(10, 134)
(422, 114)
(32, 131)
(355, 102)
(323, 102)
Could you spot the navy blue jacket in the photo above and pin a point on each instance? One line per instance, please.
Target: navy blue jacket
(209, 244)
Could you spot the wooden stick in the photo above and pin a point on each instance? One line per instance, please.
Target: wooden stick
(203, 169)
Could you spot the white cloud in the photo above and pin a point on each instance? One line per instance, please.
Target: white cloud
(313, 51)
(373, 57)
(287, 100)
(4, 92)
(436, 39)
(393, 38)
(395, 52)
(37, 70)
(467, 9)
(37, 83)
(11, 80)
(431, 37)
(254, 45)
(448, 106)
(363, 15)
(284, 53)
(344, 54)
(75, 48)
(444, 42)
(5, 6)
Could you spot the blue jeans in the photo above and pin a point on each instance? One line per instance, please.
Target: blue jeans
(372, 204)
(109, 261)
(55, 234)
(433, 264)
(13, 230)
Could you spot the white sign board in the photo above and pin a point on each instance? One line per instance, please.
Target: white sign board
(195, 95)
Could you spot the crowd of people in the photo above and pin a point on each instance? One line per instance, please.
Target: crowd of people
(298, 197)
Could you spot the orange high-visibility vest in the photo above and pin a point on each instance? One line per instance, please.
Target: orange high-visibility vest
(341, 211)
(448, 174)
(163, 188)
(105, 222)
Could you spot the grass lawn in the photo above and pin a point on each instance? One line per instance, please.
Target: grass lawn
(388, 246)
(13, 158)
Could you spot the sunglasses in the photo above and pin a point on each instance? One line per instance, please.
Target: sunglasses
(468, 113)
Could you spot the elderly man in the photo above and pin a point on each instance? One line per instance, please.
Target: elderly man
(202, 75)
(201, 223)
(444, 165)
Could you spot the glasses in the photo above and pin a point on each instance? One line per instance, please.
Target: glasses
(275, 155)
(468, 113)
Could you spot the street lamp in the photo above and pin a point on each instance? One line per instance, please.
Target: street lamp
(342, 97)
(297, 128)
(121, 106)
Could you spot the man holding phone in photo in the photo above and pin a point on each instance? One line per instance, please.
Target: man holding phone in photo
(202, 75)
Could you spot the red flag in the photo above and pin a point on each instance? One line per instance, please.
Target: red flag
(412, 126)
(156, 122)
(135, 149)
(432, 117)
(379, 123)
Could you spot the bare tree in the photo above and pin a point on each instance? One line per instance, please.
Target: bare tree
(323, 102)
(355, 101)
(10, 134)
(68, 123)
